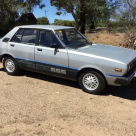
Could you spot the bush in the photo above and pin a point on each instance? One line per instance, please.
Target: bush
(64, 22)
(43, 21)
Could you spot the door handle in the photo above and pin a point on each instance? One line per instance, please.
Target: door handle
(12, 45)
(39, 49)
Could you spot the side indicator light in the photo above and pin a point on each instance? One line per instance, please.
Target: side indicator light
(118, 70)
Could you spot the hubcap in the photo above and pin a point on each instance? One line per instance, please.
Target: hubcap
(9, 65)
(90, 81)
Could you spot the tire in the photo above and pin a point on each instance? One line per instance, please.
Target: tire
(11, 66)
(92, 82)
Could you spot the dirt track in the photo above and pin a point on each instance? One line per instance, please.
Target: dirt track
(33, 104)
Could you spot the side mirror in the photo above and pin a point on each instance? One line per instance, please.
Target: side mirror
(54, 45)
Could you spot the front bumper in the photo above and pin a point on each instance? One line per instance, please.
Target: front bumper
(120, 81)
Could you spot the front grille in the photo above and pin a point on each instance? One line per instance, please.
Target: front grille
(132, 70)
(133, 64)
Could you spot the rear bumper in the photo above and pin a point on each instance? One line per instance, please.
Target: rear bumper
(120, 81)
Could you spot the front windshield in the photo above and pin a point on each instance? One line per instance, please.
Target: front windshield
(72, 38)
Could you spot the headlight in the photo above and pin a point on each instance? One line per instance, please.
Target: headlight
(129, 67)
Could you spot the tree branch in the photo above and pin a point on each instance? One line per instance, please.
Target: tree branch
(130, 4)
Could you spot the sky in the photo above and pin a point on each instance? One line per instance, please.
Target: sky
(51, 12)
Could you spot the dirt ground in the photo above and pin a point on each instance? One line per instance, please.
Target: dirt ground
(33, 104)
(116, 39)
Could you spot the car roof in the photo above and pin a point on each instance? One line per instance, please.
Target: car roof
(49, 27)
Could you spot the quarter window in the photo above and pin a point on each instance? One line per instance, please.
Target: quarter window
(18, 36)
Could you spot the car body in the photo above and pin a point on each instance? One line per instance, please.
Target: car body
(64, 52)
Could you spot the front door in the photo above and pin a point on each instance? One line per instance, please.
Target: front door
(22, 46)
(49, 60)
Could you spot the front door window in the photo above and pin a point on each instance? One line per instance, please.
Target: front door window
(47, 38)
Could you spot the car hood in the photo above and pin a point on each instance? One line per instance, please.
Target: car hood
(109, 52)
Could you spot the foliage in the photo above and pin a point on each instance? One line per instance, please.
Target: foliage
(125, 15)
(100, 11)
(64, 22)
(43, 21)
(56, 20)
(58, 13)
(66, 6)
(10, 10)
(86, 11)
(7, 14)
(27, 5)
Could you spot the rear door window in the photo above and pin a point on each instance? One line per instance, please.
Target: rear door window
(25, 36)
(29, 36)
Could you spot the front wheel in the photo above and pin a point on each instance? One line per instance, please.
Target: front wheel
(10, 66)
(92, 82)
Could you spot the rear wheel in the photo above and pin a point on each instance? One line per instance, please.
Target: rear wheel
(92, 82)
(10, 66)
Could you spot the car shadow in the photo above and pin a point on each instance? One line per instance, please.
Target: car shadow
(1, 69)
(51, 79)
(125, 92)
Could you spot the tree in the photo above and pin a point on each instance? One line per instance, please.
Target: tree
(56, 20)
(64, 22)
(131, 3)
(68, 6)
(11, 9)
(85, 11)
(7, 14)
(43, 21)
(132, 10)
(99, 11)
(27, 5)
(126, 14)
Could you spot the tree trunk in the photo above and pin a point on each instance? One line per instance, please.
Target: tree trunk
(77, 25)
(76, 20)
(92, 25)
(82, 29)
(82, 17)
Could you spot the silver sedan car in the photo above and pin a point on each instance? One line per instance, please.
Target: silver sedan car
(64, 52)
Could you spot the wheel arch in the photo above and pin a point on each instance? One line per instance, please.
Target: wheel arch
(5, 55)
(87, 69)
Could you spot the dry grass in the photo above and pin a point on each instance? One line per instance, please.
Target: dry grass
(116, 39)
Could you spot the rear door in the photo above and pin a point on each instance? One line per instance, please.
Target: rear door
(49, 60)
(21, 47)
